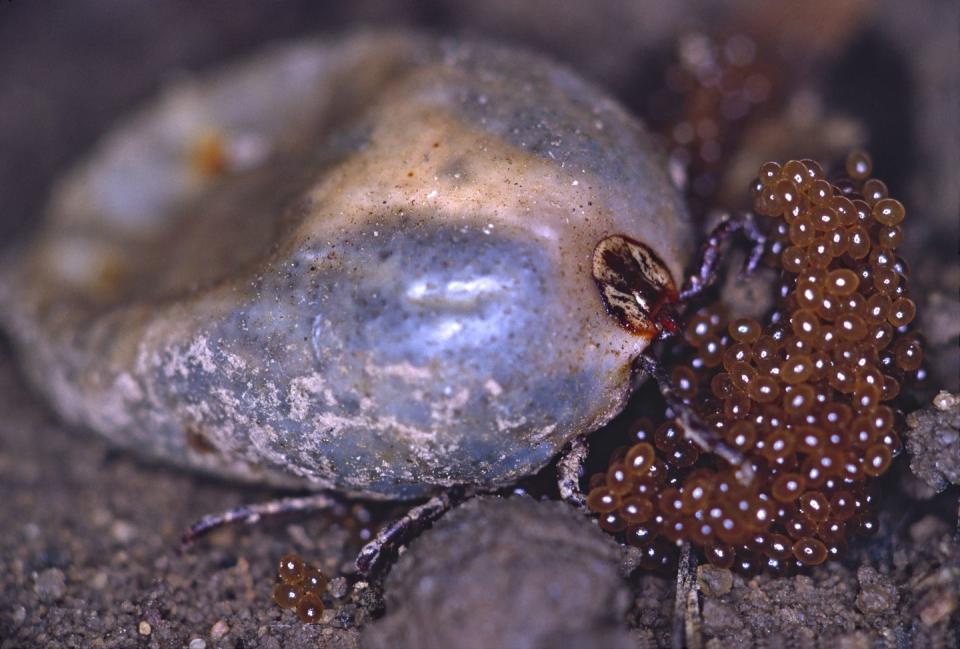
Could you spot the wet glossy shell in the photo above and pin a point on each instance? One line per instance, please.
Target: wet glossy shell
(362, 264)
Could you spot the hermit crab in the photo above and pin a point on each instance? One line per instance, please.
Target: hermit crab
(387, 266)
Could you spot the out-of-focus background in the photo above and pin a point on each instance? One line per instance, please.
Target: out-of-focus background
(86, 548)
(68, 70)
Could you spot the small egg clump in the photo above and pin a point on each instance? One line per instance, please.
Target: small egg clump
(300, 588)
(806, 397)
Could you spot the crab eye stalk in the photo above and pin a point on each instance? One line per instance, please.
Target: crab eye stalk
(636, 287)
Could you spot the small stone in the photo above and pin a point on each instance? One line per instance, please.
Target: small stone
(144, 628)
(933, 442)
(510, 572)
(123, 532)
(944, 401)
(714, 581)
(198, 643)
(877, 593)
(219, 629)
(99, 581)
(339, 587)
(719, 617)
(19, 615)
(51, 585)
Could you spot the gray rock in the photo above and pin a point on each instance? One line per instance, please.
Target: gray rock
(877, 593)
(714, 581)
(505, 573)
(362, 264)
(933, 441)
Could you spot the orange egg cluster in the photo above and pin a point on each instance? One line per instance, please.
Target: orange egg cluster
(804, 398)
(300, 588)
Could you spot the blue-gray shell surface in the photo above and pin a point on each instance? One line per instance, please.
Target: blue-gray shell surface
(361, 264)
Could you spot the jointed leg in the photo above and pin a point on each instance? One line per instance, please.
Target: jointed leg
(252, 513)
(686, 607)
(705, 271)
(570, 471)
(694, 427)
(391, 537)
(371, 555)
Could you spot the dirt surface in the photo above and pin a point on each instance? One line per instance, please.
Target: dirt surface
(89, 558)
(89, 554)
(89, 544)
(897, 589)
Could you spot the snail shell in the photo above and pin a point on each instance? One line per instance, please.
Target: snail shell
(364, 264)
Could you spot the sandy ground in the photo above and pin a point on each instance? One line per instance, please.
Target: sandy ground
(89, 552)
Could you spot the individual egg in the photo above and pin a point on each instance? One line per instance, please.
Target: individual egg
(810, 551)
(859, 165)
(314, 581)
(292, 569)
(287, 595)
(309, 608)
(602, 500)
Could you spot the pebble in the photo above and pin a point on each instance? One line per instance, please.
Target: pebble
(714, 581)
(144, 628)
(99, 580)
(875, 599)
(877, 593)
(719, 617)
(338, 587)
(944, 401)
(508, 572)
(51, 585)
(219, 629)
(19, 615)
(123, 532)
(933, 442)
(197, 643)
